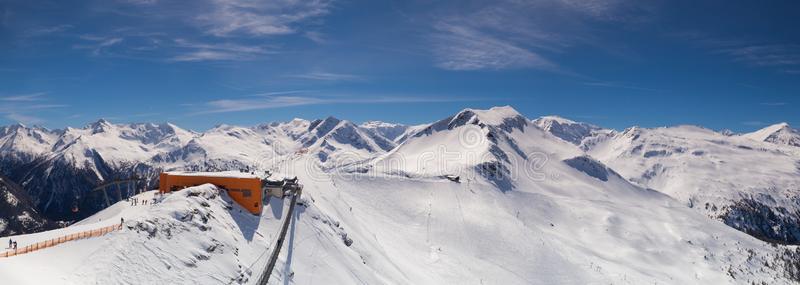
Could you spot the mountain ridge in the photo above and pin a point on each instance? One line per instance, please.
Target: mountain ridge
(496, 136)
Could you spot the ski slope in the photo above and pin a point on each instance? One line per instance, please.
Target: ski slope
(528, 208)
(171, 241)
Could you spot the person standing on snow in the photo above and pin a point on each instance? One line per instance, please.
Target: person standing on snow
(10, 243)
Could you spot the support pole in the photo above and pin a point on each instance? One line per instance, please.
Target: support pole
(105, 194)
(119, 191)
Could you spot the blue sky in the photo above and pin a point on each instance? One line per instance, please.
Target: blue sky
(615, 63)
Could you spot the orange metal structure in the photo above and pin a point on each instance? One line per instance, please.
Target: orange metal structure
(246, 191)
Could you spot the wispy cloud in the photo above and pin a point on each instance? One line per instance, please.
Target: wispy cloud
(38, 96)
(510, 34)
(22, 118)
(613, 10)
(207, 30)
(774, 104)
(282, 101)
(785, 57)
(765, 55)
(608, 84)
(140, 2)
(98, 44)
(43, 31)
(288, 92)
(316, 37)
(199, 51)
(26, 108)
(463, 48)
(753, 123)
(259, 18)
(328, 76)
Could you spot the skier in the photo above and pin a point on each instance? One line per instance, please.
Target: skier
(10, 243)
(121, 221)
(15, 246)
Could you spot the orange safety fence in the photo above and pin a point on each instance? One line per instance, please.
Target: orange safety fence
(60, 240)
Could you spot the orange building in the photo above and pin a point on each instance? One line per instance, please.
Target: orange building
(243, 188)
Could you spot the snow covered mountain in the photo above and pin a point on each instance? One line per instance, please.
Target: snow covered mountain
(581, 134)
(17, 214)
(388, 130)
(778, 134)
(58, 168)
(751, 186)
(21, 142)
(483, 196)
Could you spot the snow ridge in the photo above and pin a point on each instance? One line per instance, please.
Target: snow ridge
(781, 134)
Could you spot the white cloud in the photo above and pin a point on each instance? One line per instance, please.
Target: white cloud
(328, 76)
(596, 8)
(316, 37)
(25, 119)
(140, 2)
(25, 108)
(507, 34)
(609, 84)
(241, 26)
(98, 44)
(206, 55)
(260, 18)
(283, 101)
(753, 123)
(43, 31)
(24, 97)
(765, 55)
(463, 48)
(195, 51)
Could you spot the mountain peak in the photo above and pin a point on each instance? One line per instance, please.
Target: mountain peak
(100, 125)
(493, 116)
(780, 133)
(379, 124)
(566, 129)
(557, 119)
(15, 127)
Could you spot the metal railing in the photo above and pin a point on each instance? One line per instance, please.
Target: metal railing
(59, 240)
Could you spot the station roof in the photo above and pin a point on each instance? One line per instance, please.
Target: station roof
(230, 174)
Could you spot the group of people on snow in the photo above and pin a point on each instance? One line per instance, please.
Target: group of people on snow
(12, 244)
(135, 201)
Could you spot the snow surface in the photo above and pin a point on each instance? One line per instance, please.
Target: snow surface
(529, 208)
(193, 236)
(696, 165)
(781, 134)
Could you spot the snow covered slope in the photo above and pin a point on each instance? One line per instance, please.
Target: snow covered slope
(581, 134)
(527, 209)
(483, 196)
(751, 186)
(17, 213)
(782, 134)
(19, 141)
(195, 236)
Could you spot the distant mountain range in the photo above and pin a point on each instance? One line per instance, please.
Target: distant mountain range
(749, 181)
(479, 195)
